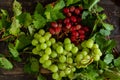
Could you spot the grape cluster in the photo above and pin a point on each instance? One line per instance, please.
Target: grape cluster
(62, 58)
(71, 26)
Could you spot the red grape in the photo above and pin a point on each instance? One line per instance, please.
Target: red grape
(52, 31)
(73, 19)
(54, 24)
(66, 10)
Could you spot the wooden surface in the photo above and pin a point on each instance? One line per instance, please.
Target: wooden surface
(111, 9)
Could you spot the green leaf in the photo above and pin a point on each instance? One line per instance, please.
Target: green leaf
(102, 64)
(25, 19)
(22, 41)
(39, 9)
(39, 21)
(108, 58)
(69, 2)
(5, 63)
(108, 26)
(15, 27)
(13, 50)
(40, 77)
(4, 12)
(59, 5)
(85, 14)
(17, 8)
(105, 32)
(99, 8)
(1, 26)
(92, 4)
(34, 64)
(117, 61)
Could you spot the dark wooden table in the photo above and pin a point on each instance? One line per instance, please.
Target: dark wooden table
(111, 9)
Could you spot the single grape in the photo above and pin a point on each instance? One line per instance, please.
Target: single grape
(86, 59)
(62, 66)
(48, 43)
(52, 40)
(73, 69)
(62, 59)
(41, 32)
(59, 49)
(71, 75)
(55, 75)
(67, 70)
(64, 52)
(96, 57)
(53, 54)
(84, 53)
(55, 45)
(41, 53)
(53, 68)
(38, 47)
(95, 46)
(34, 51)
(37, 36)
(47, 63)
(74, 50)
(67, 41)
(43, 46)
(62, 74)
(97, 51)
(79, 57)
(68, 47)
(41, 39)
(89, 43)
(83, 44)
(41, 60)
(86, 49)
(45, 56)
(48, 50)
(69, 60)
(69, 54)
(34, 42)
(47, 36)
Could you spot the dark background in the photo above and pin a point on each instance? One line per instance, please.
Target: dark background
(112, 9)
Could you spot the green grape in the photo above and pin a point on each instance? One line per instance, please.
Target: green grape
(67, 41)
(86, 59)
(53, 54)
(68, 47)
(59, 49)
(64, 52)
(79, 57)
(97, 51)
(43, 46)
(48, 43)
(67, 70)
(73, 69)
(74, 50)
(62, 66)
(96, 57)
(45, 56)
(52, 40)
(34, 42)
(71, 75)
(62, 74)
(41, 53)
(95, 46)
(47, 63)
(41, 39)
(55, 75)
(41, 32)
(55, 45)
(37, 36)
(89, 43)
(83, 44)
(34, 51)
(53, 68)
(86, 49)
(38, 48)
(48, 34)
(84, 53)
(60, 43)
(69, 54)
(41, 60)
(62, 59)
(48, 50)
(69, 60)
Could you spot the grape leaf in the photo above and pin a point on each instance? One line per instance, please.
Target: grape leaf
(92, 4)
(59, 5)
(5, 63)
(39, 9)
(13, 50)
(108, 26)
(105, 32)
(69, 2)
(39, 21)
(1, 26)
(40, 77)
(15, 27)
(22, 41)
(25, 19)
(117, 61)
(85, 14)
(17, 8)
(108, 58)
